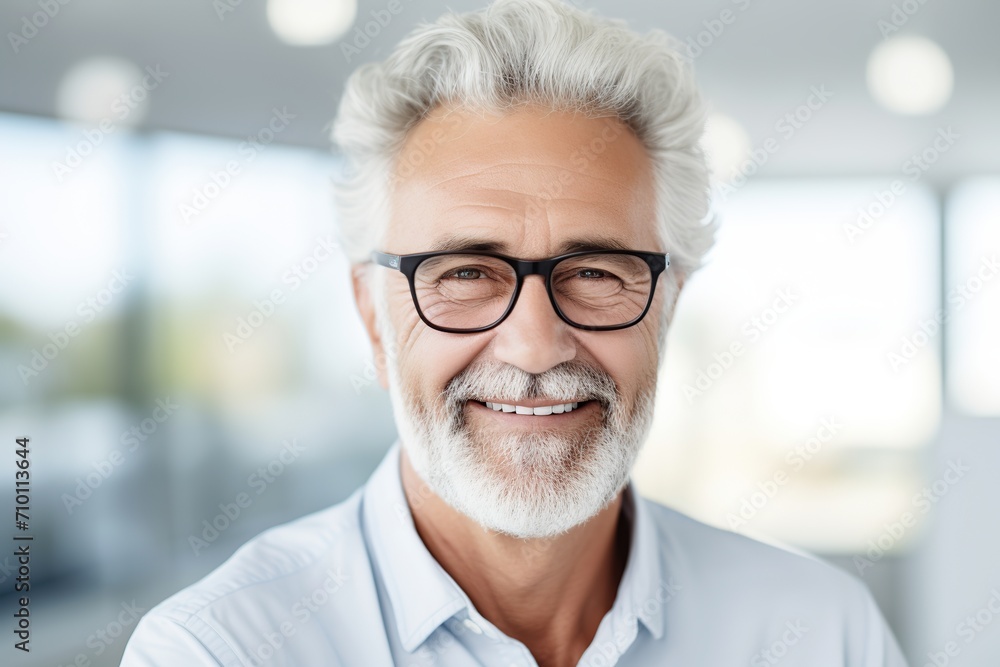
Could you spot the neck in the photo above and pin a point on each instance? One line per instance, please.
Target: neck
(548, 593)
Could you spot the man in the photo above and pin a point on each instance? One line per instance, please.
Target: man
(524, 197)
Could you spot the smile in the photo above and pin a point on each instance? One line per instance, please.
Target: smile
(538, 410)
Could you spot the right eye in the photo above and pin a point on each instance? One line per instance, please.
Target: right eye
(467, 273)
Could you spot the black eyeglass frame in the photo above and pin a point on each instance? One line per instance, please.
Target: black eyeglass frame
(407, 265)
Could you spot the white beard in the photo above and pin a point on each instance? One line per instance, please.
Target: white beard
(525, 484)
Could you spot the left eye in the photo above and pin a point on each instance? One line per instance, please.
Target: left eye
(466, 274)
(591, 273)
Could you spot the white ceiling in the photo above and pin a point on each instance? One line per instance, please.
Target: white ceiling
(226, 75)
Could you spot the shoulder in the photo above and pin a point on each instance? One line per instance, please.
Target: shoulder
(724, 561)
(316, 566)
(761, 600)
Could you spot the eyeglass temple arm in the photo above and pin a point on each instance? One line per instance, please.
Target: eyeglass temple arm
(385, 259)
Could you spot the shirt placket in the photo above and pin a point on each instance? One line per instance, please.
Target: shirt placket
(489, 646)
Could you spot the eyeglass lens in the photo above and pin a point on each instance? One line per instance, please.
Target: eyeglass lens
(470, 291)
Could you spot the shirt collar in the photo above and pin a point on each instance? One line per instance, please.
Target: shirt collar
(643, 592)
(423, 594)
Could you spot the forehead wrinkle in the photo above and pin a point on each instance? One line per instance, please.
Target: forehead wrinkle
(484, 171)
(515, 222)
(616, 202)
(454, 207)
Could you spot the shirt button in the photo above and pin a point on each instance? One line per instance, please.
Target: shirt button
(471, 625)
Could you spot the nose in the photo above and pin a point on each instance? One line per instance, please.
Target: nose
(533, 337)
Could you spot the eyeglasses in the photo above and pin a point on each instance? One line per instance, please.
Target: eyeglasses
(468, 292)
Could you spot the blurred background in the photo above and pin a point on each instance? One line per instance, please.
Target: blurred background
(175, 312)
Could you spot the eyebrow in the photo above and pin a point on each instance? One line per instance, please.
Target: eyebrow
(456, 242)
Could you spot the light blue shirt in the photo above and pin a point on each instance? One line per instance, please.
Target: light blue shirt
(354, 585)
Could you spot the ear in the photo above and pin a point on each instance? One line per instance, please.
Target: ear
(673, 306)
(364, 299)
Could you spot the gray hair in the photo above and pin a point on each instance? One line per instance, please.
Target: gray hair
(519, 52)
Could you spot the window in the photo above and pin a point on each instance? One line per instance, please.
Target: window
(789, 404)
(972, 298)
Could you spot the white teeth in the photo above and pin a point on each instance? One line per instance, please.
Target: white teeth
(541, 410)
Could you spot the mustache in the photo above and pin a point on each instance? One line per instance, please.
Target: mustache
(570, 381)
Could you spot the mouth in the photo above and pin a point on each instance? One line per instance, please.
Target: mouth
(538, 409)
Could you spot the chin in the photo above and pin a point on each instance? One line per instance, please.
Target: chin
(534, 485)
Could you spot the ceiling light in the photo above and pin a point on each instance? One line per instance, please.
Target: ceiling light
(311, 22)
(910, 75)
(102, 88)
(726, 144)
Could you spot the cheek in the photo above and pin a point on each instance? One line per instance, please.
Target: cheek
(434, 359)
(430, 359)
(440, 357)
(627, 355)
